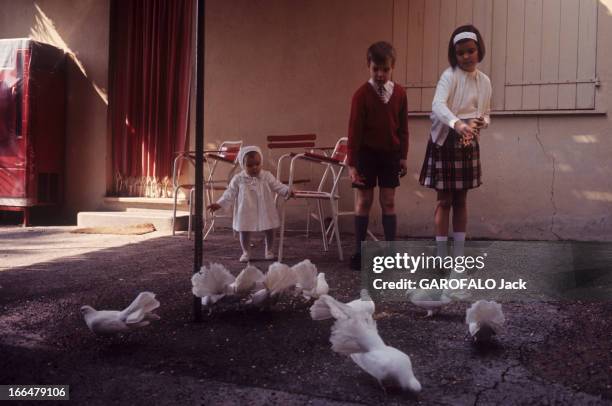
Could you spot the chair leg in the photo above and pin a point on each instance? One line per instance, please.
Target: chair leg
(174, 211)
(211, 227)
(372, 236)
(191, 208)
(329, 233)
(330, 229)
(281, 238)
(336, 228)
(322, 223)
(308, 220)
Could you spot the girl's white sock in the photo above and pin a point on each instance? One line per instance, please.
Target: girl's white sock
(441, 245)
(459, 244)
(459, 236)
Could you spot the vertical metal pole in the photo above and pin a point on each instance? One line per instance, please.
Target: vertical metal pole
(199, 148)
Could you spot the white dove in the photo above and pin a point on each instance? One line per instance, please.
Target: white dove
(484, 319)
(322, 286)
(305, 277)
(249, 279)
(354, 333)
(308, 282)
(279, 279)
(212, 283)
(137, 314)
(433, 300)
(320, 310)
(430, 300)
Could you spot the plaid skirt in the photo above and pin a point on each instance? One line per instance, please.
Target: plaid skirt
(451, 166)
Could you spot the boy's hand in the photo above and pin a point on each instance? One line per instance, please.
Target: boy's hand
(403, 168)
(213, 207)
(356, 178)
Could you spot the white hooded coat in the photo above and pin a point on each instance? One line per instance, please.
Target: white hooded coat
(253, 197)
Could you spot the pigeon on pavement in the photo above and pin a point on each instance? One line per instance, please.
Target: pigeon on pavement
(137, 314)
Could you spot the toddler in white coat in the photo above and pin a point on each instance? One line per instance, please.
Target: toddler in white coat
(252, 192)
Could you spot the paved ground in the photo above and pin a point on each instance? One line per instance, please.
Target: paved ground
(550, 353)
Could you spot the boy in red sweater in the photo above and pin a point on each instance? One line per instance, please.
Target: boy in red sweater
(377, 143)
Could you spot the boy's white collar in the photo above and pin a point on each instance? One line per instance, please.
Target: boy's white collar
(388, 85)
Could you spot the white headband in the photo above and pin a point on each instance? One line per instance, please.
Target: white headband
(464, 35)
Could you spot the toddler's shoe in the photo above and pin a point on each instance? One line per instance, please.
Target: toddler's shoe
(244, 257)
(270, 255)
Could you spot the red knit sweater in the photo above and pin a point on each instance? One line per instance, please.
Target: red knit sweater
(379, 126)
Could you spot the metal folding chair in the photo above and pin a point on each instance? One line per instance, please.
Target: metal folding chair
(326, 191)
(227, 153)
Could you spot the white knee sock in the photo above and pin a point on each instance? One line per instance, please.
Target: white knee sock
(458, 244)
(245, 237)
(441, 245)
(269, 239)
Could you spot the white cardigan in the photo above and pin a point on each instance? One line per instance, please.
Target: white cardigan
(459, 95)
(253, 200)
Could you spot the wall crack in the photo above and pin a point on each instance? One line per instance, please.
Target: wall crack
(552, 183)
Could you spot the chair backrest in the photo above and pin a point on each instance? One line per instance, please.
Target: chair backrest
(286, 144)
(229, 150)
(341, 150)
(339, 154)
(227, 153)
(293, 141)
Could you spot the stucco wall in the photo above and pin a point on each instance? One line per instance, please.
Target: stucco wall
(278, 66)
(291, 66)
(81, 28)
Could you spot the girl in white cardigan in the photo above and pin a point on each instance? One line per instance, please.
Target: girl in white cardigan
(252, 193)
(460, 109)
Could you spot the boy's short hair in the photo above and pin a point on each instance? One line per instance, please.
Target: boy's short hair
(452, 58)
(381, 52)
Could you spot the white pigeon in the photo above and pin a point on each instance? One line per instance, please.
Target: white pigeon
(278, 280)
(249, 279)
(320, 310)
(355, 334)
(137, 314)
(305, 277)
(308, 282)
(212, 284)
(433, 300)
(322, 286)
(484, 320)
(430, 300)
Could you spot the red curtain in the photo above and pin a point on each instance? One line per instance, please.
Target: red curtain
(149, 90)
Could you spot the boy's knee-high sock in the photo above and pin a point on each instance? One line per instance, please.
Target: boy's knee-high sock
(458, 244)
(361, 230)
(269, 239)
(441, 245)
(389, 222)
(245, 237)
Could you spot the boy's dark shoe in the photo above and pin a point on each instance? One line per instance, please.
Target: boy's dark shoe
(355, 262)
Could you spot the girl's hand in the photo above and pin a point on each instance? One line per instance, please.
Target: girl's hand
(356, 178)
(213, 207)
(466, 132)
(291, 193)
(477, 123)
